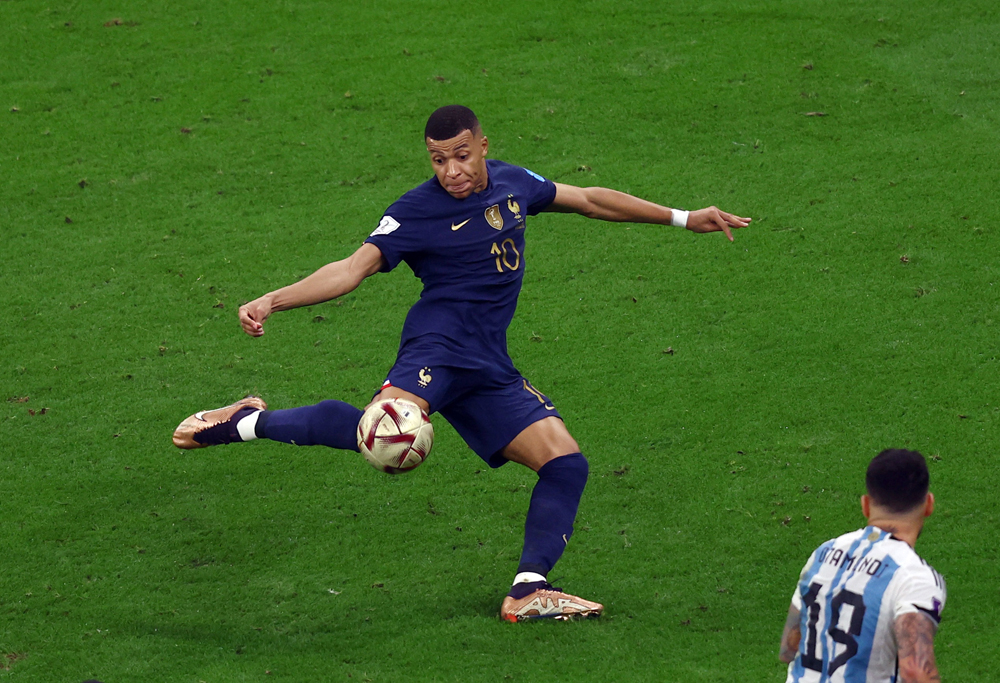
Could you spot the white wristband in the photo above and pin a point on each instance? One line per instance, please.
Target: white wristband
(679, 218)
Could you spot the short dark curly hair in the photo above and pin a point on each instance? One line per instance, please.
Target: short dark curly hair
(898, 479)
(449, 121)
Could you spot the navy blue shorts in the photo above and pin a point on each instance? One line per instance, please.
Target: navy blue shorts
(486, 400)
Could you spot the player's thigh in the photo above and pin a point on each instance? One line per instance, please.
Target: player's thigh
(421, 374)
(396, 392)
(495, 405)
(540, 442)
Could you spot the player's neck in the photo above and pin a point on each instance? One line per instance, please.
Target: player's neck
(905, 530)
(485, 180)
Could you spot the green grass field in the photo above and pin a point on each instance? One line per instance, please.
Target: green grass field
(161, 165)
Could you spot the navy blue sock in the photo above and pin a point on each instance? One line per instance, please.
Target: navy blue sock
(328, 423)
(554, 502)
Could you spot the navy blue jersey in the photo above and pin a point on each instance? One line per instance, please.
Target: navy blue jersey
(468, 253)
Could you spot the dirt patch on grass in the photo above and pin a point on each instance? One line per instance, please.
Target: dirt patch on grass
(10, 659)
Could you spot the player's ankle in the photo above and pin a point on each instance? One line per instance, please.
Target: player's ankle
(246, 426)
(528, 577)
(526, 583)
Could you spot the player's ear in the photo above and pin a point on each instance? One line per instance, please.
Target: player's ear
(866, 506)
(486, 145)
(929, 504)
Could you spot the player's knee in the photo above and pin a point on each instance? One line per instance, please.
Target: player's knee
(562, 448)
(559, 441)
(572, 466)
(578, 461)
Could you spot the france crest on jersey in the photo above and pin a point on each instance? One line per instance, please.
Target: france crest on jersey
(850, 592)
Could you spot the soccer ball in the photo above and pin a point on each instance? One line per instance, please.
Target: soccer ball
(395, 435)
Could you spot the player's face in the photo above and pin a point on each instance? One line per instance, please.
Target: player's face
(460, 163)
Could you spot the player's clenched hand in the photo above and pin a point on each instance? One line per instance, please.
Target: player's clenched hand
(713, 220)
(253, 315)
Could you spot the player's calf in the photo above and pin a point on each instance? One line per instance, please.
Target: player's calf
(328, 423)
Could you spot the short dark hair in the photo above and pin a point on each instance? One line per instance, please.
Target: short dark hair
(898, 479)
(448, 122)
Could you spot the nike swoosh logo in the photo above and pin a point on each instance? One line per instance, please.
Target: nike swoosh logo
(200, 415)
(456, 227)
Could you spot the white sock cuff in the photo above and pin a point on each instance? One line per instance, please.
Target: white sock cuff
(528, 577)
(246, 426)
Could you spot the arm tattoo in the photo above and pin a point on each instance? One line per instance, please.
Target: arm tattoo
(915, 640)
(791, 636)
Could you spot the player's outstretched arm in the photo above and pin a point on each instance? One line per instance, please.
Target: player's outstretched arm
(791, 636)
(611, 205)
(329, 282)
(915, 642)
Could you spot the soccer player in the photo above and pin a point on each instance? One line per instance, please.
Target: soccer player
(462, 233)
(867, 606)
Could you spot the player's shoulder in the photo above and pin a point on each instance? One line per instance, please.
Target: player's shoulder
(934, 573)
(902, 552)
(408, 212)
(910, 569)
(915, 584)
(502, 170)
(912, 565)
(418, 202)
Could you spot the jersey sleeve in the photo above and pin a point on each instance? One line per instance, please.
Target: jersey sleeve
(540, 192)
(920, 590)
(797, 595)
(392, 244)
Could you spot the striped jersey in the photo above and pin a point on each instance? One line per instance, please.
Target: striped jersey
(850, 592)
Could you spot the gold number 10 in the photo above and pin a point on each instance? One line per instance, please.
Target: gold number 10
(502, 255)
